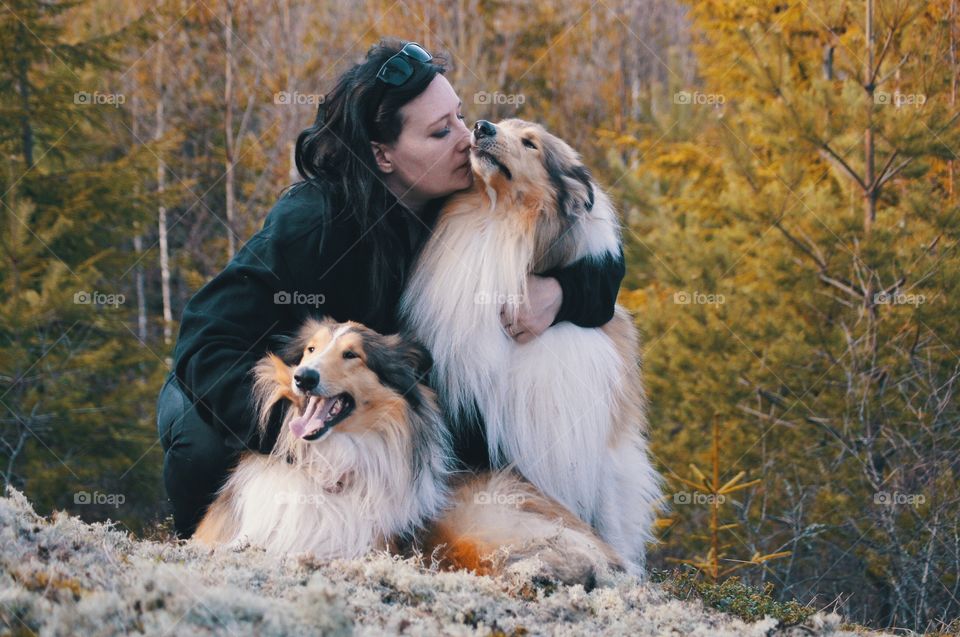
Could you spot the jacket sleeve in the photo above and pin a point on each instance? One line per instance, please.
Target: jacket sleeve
(226, 328)
(590, 286)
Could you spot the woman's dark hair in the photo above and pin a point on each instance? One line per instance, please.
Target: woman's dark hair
(336, 151)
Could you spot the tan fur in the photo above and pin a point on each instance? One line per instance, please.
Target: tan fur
(375, 403)
(529, 198)
(631, 410)
(533, 206)
(485, 537)
(499, 518)
(379, 410)
(218, 523)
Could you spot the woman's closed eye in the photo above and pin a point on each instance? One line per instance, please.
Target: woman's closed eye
(440, 134)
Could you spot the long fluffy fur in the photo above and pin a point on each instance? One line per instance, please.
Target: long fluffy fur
(567, 408)
(342, 495)
(499, 518)
(385, 482)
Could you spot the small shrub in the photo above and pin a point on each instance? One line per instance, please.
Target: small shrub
(733, 597)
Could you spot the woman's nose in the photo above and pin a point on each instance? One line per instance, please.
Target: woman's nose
(464, 139)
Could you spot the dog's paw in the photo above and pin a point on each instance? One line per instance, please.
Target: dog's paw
(547, 568)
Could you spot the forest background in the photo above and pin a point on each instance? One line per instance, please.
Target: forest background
(786, 172)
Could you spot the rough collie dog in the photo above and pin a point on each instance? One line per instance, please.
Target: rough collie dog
(364, 462)
(362, 457)
(567, 408)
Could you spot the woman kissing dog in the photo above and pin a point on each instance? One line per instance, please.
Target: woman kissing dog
(567, 408)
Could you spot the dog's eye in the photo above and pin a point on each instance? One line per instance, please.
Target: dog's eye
(529, 144)
(350, 354)
(310, 349)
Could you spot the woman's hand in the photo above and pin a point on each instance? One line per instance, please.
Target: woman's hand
(537, 312)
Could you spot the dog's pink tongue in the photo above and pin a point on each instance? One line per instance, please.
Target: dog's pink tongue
(313, 417)
(300, 426)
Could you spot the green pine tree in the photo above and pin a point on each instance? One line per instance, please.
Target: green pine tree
(77, 387)
(800, 269)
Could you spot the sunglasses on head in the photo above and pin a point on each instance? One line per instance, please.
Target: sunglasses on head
(397, 70)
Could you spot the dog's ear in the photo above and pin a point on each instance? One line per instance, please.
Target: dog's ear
(572, 182)
(398, 362)
(417, 356)
(286, 347)
(580, 183)
(272, 383)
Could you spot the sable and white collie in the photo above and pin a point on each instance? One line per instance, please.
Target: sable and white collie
(567, 408)
(362, 457)
(364, 462)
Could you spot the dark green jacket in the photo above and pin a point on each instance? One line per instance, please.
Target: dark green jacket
(265, 291)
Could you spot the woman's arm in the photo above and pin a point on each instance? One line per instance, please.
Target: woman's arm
(225, 330)
(583, 292)
(589, 286)
(229, 323)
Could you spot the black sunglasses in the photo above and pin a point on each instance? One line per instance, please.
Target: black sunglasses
(397, 70)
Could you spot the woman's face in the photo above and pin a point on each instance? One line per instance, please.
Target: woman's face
(431, 158)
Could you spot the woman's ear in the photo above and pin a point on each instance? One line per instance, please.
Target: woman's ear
(381, 154)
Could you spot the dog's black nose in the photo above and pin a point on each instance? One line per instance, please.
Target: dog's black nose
(483, 128)
(306, 379)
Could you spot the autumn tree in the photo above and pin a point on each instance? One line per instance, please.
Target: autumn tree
(802, 271)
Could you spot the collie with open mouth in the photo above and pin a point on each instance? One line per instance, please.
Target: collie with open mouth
(364, 461)
(360, 461)
(567, 408)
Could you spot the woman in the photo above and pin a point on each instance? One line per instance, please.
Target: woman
(388, 145)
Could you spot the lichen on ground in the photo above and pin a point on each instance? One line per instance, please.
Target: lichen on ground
(63, 576)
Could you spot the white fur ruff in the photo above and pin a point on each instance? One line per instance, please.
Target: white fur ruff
(299, 507)
(550, 405)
